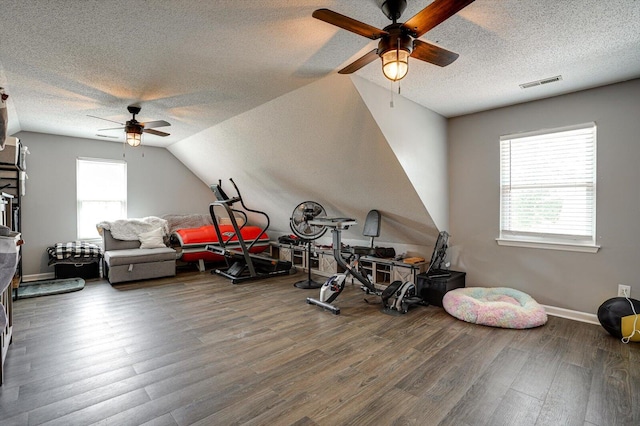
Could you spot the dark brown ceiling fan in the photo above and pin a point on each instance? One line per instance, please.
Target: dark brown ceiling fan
(134, 128)
(398, 41)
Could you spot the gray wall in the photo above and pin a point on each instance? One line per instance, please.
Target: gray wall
(576, 281)
(157, 184)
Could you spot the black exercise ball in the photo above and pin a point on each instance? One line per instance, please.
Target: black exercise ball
(611, 312)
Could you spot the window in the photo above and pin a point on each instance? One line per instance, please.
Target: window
(548, 189)
(101, 193)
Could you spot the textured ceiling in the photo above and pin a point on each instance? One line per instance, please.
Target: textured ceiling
(198, 63)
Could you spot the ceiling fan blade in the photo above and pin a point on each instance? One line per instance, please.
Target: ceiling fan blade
(349, 24)
(156, 132)
(154, 124)
(111, 128)
(433, 54)
(106, 119)
(359, 63)
(434, 14)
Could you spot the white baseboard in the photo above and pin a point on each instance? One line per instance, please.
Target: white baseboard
(572, 315)
(38, 277)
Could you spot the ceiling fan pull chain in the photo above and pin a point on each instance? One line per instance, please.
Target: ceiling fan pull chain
(391, 92)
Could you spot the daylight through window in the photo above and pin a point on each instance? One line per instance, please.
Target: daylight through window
(548, 187)
(101, 193)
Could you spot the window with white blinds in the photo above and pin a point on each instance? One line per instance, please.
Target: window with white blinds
(548, 188)
(101, 193)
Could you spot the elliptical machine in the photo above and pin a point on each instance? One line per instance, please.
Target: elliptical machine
(242, 264)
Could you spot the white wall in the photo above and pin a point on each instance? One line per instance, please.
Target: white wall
(417, 137)
(317, 143)
(577, 281)
(157, 184)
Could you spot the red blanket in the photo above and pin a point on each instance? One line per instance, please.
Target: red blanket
(194, 240)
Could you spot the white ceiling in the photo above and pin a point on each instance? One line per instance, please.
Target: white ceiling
(198, 63)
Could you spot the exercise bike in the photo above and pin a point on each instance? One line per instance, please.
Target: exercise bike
(396, 298)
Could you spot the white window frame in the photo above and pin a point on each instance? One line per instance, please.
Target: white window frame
(99, 193)
(547, 238)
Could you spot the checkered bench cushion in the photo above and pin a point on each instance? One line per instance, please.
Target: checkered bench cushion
(74, 250)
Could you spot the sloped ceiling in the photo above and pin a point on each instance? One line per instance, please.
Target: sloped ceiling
(198, 63)
(417, 137)
(318, 143)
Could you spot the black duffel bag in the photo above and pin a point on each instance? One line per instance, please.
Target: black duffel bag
(385, 252)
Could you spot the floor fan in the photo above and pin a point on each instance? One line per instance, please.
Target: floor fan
(300, 224)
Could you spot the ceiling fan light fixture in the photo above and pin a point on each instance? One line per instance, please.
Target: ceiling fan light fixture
(133, 129)
(133, 134)
(398, 41)
(395, 64)
(394, 50)
(134, 139)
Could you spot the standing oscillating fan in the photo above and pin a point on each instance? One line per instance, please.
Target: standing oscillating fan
(302, 214)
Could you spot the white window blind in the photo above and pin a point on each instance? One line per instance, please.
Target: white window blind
(548, 186)
(101, 193)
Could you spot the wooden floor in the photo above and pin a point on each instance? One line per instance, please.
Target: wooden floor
(195, 349)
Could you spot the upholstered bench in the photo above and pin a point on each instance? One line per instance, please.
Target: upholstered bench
(124, 260)
(75, 259)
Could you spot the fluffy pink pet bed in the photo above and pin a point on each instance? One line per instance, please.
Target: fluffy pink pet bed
(496, 307)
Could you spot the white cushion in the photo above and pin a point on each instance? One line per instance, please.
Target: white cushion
(152, 239)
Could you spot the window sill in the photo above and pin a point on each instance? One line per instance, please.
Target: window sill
(92, 240)
(583, 248)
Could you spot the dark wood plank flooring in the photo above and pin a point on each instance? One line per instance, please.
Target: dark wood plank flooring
(197, 350)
